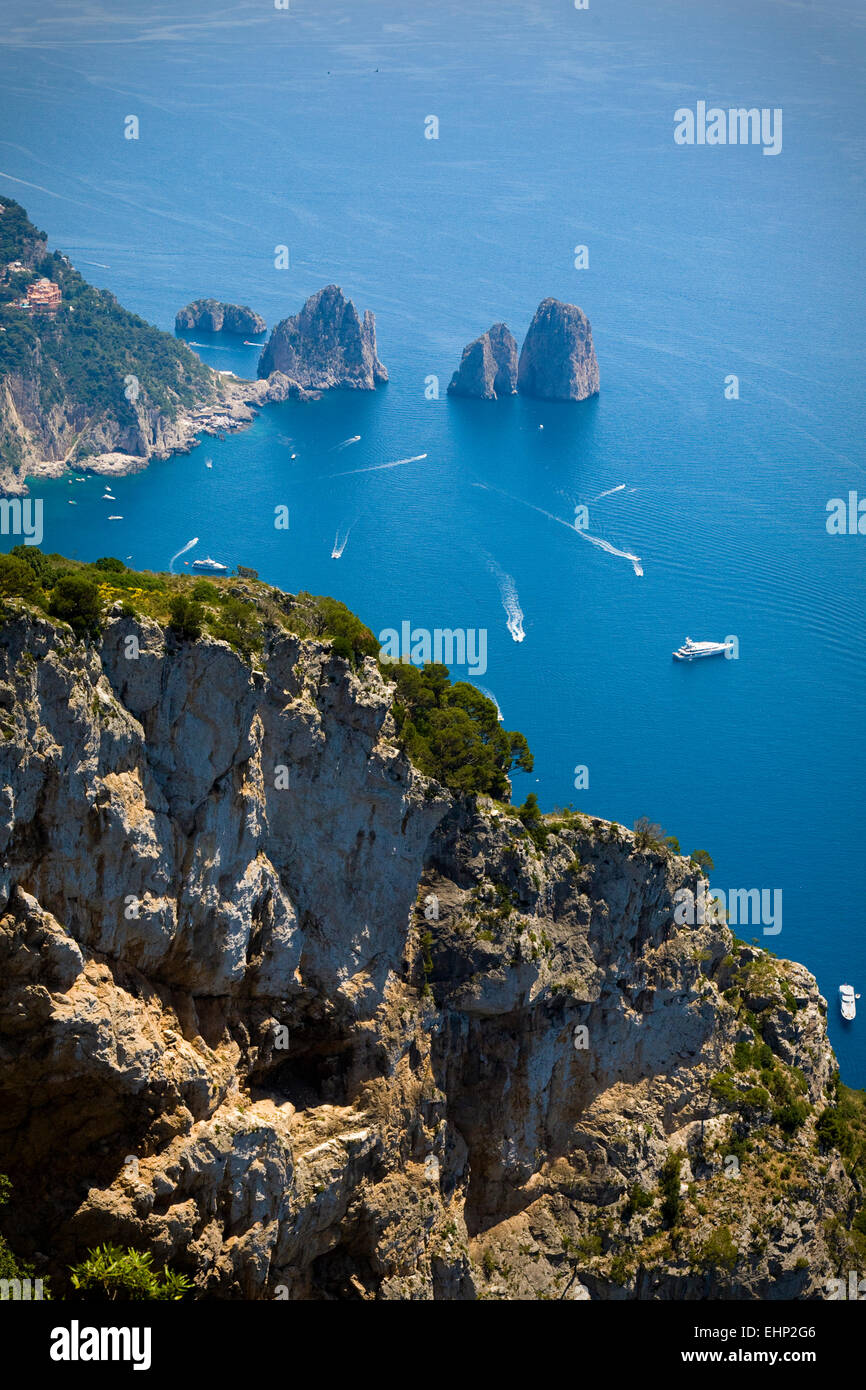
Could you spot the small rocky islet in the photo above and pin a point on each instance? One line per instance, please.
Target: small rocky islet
(217, 317)
(328, 345)
(557, 361)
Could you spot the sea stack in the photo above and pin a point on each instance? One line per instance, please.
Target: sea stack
(557, 360)
(216, 317)
(488, 367)
(327, 345)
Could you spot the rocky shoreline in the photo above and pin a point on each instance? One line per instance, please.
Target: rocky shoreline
(236, 406)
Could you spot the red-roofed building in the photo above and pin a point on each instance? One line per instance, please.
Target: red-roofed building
(44, 296)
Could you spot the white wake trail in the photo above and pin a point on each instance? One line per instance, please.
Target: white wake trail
(340, 545)
(345, 444)
(609, 492)
(416, 458)
(594, 540)
(184, 548)
(492, 698)
(510, 600)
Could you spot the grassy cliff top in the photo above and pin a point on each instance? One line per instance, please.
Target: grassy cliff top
(448, 729)
(84, 355)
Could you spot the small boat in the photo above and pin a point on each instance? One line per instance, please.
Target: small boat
(847, 1003)
(71, 503)
(115, 518)
(213, 566)
(692, 651)
(247, 343)
(208, 463)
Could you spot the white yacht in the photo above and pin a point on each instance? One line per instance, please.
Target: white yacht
(213, 566)
(691, 651)
(847, 1002)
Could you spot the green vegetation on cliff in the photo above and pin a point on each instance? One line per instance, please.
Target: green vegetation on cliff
(450, 731)
(93, 357)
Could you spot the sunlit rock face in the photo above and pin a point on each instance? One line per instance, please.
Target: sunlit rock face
(326, 345)
(284, 1011)
(557, 360)
(488, 367)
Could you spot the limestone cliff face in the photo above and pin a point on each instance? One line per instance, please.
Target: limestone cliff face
(66, 437)
(557, 360)
(280, 1009)
(326, 345)
(216, 317)
(488, 367)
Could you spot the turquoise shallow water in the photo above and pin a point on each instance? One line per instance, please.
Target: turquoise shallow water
(261, 128)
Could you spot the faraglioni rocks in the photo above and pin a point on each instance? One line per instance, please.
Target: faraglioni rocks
(326, 346)
(216, 317)
(557, 360)
(488, 367)
(287, 1012)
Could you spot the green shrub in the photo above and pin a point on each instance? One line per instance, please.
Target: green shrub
(334, 619)
(638, 1200)
(669, 1188)
(18, 580)
(341, 646)
(533, 821)
(718, 1251)
(701, 859)
(186, 618)
(75, 600)
(452, 732)
(237, 624)
(203, 591)
(110, 1275)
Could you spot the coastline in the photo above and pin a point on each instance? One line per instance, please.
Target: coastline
(235, 407)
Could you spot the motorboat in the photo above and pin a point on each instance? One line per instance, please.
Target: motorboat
(692, 651)
(847, 1002)
(212, 566)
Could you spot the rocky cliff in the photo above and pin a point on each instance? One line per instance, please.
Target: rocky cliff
(290, 1015)
(557, 360)
(326, 345)
(50, 440)
(94, 386)
(216, 317)
(488, 367)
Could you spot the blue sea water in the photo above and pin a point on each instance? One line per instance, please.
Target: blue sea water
(305, 128)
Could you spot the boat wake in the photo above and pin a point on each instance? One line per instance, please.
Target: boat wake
(492, 698)
(374, 468)
(610, 492)
(510, 601)
(189, 545)
(345, 444)
(340, 545)
(635, 560)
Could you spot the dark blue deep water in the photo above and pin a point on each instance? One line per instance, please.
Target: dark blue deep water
(261, 127)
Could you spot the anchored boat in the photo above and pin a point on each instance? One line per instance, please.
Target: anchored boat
(847, 1003)
(212, 566)
(692, 651)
